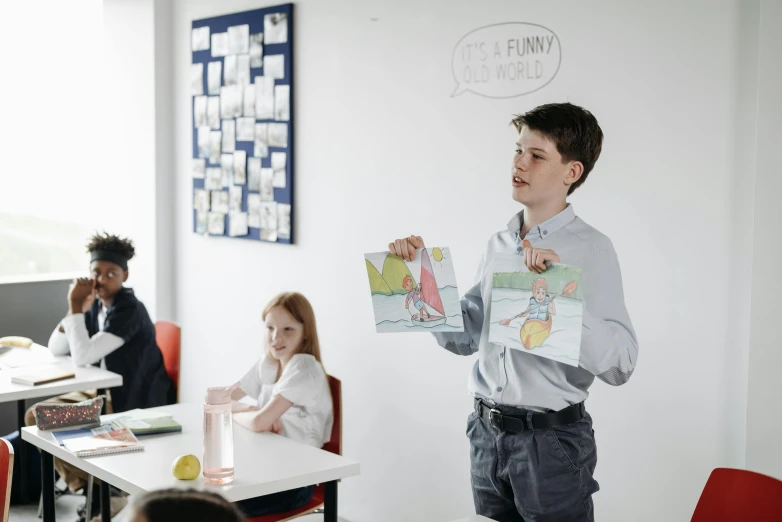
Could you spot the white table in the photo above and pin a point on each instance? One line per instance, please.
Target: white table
(264, 463)
(38, 357)
(474, 518)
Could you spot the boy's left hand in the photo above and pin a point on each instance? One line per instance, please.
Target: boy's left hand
(536, 258)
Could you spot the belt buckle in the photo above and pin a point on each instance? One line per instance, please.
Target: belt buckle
(495, 419)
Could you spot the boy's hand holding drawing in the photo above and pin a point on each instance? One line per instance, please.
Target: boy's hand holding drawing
(536, 258)
(406, 247)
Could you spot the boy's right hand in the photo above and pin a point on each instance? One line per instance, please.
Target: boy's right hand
(405, 248)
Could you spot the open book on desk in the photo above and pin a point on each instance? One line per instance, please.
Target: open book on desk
(104, 440)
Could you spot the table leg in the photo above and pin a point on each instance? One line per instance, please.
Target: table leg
(105, 501)
(23, 483)
(330, 502)
(47, 483)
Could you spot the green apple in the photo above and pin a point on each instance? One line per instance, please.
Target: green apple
(186, 467)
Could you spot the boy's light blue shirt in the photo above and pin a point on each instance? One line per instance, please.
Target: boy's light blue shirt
(609, 348)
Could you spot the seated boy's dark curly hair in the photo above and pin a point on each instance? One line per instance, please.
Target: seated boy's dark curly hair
(111, 243)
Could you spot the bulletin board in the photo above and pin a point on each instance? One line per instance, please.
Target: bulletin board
(242, 100)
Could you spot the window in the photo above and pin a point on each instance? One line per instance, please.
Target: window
(56, 180)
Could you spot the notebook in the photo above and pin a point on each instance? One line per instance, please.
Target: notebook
(43, 376)
(148, 426)
(73, 432)
(104, 440)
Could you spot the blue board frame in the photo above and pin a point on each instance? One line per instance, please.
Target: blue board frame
(254, 19)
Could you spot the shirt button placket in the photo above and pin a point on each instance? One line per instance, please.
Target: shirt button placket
(503, 375)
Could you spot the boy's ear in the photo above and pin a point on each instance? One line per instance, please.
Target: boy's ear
(575, 170)
(125, 275)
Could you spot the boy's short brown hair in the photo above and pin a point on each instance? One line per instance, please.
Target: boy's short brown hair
(573, 129)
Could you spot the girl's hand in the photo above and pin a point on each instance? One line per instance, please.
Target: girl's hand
(277, 428)
(405, 248)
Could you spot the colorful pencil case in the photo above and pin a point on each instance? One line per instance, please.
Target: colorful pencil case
(51, 416)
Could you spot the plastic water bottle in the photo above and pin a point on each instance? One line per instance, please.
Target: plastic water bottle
(218, 436)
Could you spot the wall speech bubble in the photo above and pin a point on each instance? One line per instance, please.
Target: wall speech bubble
(505, 60)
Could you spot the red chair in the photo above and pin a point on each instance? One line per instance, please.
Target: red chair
(168, 336)
(334, 445)
(737, 495)
(6, 472)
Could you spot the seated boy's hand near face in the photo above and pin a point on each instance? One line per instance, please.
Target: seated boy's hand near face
(536, 258)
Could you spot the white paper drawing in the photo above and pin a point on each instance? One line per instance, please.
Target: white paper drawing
(199, 168)
(243, 69)
(203, 142)
(199, 40)
(274, 66)
(229, 135)
(239, 39)
(279, 168)
(414, 296)
(278, 135)
(219, 45)
(214, 179)
(199, 112)
(214, 73)
(219, 201)
(237, 224)
(230, 70)
(245, 129)
(200, 222)
(254, 174)
(275, 28)
(235, 199)
(213, 112)
(264, 97)
(197, 79)
(256, 50)
(269, 221)
(267, 185)
(284, 220)
(261, 147)
(249, 101)
(216, 224)
(282, 104)
(215, 146)
(240, 167)
(227, 170)
(539, 314)
(201, 200)
(254, 210)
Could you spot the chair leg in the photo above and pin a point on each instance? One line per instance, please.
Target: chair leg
(88, 512)
(40, 506)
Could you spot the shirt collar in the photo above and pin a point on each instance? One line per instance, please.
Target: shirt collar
(544, 229)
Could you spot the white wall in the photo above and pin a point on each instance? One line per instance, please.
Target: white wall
(764, 416)
(137, 129)
(377, 133)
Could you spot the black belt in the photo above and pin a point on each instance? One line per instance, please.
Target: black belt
(536, 421)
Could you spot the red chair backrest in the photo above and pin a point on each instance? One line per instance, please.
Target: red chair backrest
(6, 472)
(168, 337)
(738, 495)
(334, 445)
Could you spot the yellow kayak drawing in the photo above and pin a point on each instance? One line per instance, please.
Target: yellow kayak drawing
(534, 332)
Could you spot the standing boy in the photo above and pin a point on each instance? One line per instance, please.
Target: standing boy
(532, 447)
